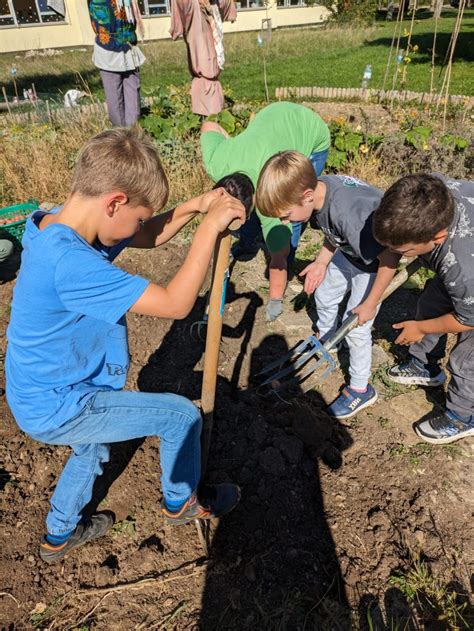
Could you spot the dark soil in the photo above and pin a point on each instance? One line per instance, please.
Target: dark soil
(329, 510)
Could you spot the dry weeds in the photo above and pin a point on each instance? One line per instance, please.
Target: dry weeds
(36, 161)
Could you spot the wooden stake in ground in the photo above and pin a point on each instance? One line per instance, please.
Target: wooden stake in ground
(6, 100)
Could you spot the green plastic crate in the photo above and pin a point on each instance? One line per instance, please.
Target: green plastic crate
(14, 231)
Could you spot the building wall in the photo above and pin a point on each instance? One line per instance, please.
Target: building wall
(78, 31)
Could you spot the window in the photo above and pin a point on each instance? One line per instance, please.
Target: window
(47, 14)
(150, 8)
(250, 4)
(6, 14)
(290, 3)
(20, 12)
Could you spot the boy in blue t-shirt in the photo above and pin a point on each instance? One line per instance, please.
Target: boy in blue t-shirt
(67, 358)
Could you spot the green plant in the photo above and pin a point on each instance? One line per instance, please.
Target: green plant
(171, 119)
(457, 143)
(391, 388)
(420, 135)
(125, 527)
(414, 452)
(170, 116)
(419, 278)
(435, 602)
(454, 450)
(226, 120)
(43, 612)
(355, 12)
(348, 145)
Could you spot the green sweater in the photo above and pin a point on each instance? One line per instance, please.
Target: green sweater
(278, 127)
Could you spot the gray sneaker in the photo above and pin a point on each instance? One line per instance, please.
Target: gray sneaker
(93, 528)
(445, 427)
(414, 373)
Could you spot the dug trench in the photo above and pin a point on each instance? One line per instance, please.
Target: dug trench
(329, 510)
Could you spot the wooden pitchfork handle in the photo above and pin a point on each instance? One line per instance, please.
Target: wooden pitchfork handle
(213, 338)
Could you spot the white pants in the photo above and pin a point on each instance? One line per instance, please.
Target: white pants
(341, 278)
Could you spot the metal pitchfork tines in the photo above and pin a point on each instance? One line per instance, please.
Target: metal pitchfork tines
(296, 366)
(312, 356)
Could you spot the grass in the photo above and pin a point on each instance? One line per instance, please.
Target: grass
(434, 601)
(384, 423)
(295, 57)
(390, 388)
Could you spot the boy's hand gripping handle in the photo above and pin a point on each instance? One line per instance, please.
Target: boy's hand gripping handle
(351, 322)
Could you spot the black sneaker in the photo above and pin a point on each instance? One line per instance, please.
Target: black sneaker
(414, 373)
(214, 500)
(93, 528)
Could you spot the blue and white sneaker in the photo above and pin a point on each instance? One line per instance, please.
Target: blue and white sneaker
(414, 373)
(445, 427)
(349, 402)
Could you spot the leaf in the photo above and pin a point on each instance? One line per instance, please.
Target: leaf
(227, 121)
(353, 141)
(337, 159)
(339, 143)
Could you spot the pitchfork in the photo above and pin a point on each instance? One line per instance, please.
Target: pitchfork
(311, 355)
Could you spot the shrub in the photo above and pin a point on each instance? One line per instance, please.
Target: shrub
(355, 12)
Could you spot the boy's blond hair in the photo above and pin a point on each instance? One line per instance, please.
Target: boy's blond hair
(125, 160)
(282, 182)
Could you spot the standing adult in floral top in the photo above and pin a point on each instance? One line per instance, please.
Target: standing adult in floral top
(118, 57)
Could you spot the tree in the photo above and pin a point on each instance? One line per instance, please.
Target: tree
(352, 11)
(436, 8)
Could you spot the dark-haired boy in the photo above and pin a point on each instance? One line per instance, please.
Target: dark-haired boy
(433, 217)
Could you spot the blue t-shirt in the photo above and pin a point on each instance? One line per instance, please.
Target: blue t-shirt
(67, 336)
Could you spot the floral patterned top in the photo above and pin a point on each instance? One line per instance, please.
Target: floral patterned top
(114, 31)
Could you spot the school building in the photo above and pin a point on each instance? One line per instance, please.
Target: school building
(32, 24)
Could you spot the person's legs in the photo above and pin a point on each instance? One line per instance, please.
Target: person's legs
(433, 303)
(329, 295)
(423, 366)
(297, 229)
(84, 465)
(318, 160)
(359, 394)
(112, 416)
(359, 340)
(456, 421)
(113, 88)
(460, 395)
(131, 96)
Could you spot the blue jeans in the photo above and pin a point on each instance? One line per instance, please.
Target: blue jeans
(252, 229)
(114, 416)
